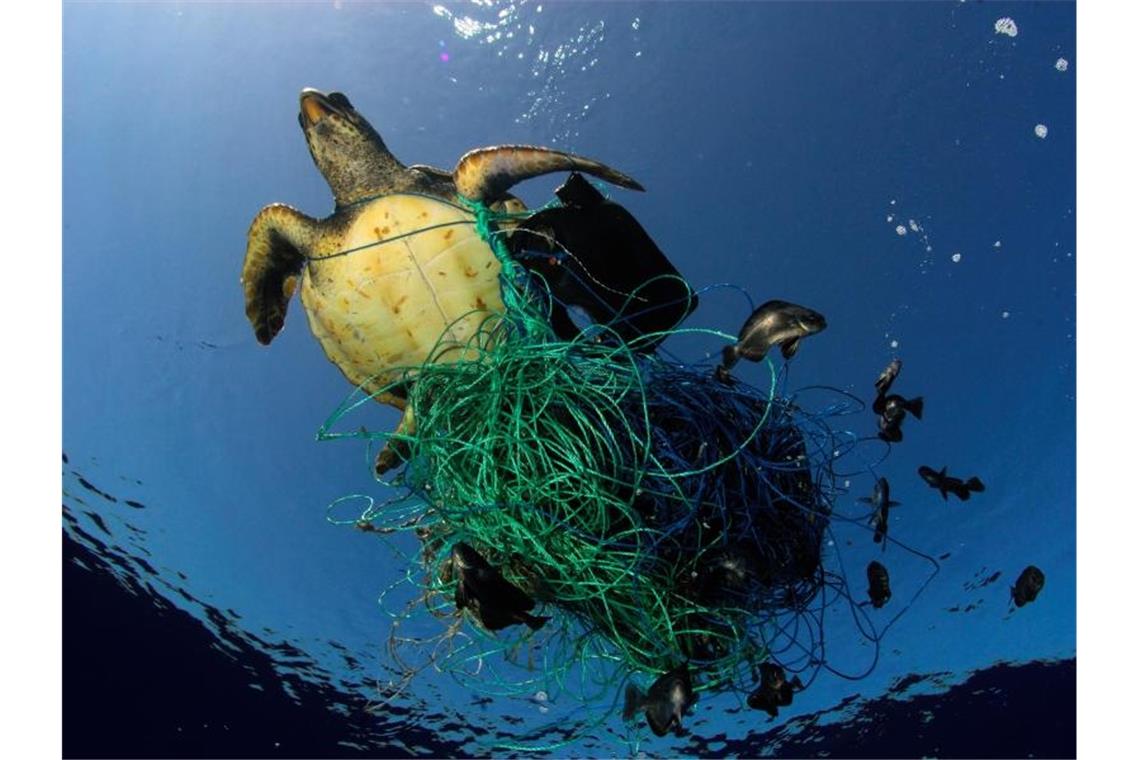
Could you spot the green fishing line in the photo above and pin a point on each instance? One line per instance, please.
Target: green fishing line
(605, 483)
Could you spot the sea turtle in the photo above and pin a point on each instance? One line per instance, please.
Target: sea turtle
(378, 309)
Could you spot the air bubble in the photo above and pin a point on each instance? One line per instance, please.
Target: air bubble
(1006, 26)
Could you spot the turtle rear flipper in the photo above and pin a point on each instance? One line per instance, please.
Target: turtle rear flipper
(274, 256)
(398, 449)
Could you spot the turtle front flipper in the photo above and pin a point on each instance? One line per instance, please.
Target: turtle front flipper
(484, 174)
(275, 254)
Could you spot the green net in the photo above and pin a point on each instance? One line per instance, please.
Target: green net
(658, 514)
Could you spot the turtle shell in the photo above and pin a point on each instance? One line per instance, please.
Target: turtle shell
(407, 278)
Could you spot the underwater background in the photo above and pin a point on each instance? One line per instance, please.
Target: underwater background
(907, 169)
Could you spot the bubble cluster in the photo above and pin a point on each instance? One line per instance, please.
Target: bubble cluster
(903, 224)
(1061, 65)
(1006, 26)
(1041, 131)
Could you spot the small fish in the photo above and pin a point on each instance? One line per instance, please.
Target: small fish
(497, 602)
(1028, 586)
(775, 323)
(894, 407)
(775, 690)
(668, 699)
(947, 484)
(891, 432)
(728, 576)
(881, 500)
(887, 377)
(878, 584)
(892, 410)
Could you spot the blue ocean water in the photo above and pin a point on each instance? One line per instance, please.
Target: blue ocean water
(782, 147)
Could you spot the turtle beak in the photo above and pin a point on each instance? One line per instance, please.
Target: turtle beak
(314, 106)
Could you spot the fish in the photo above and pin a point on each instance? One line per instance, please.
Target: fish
(878, 584)
(894, 407)
(947, 484)
(891, 432)
(1028, 586)
(728, 573)
(494, 600)
(892, 410)
(881, 500)
(775, 690)
(887, 377)
(669, 697)
(774, 323)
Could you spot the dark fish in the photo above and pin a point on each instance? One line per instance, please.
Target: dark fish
(887, 377)
(668, 699)
(1028, 586)
(947, 484)
(881, 500)
(892, 409)
(775, 690)
(891, 432)
(895, 407)
(878, 584)
(727, 574)
(775, 323)
(481, 588)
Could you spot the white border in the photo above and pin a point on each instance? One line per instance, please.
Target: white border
(31, 313)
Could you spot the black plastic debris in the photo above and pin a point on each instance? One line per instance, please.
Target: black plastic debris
(595, 256)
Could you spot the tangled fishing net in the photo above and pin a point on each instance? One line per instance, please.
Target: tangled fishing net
(659, 514)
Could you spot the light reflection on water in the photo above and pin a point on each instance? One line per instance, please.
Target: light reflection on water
(569, 57)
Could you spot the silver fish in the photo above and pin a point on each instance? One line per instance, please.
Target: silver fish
(775, 323)
(887, 377)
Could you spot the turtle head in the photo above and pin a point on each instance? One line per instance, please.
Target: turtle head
(346, 149)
